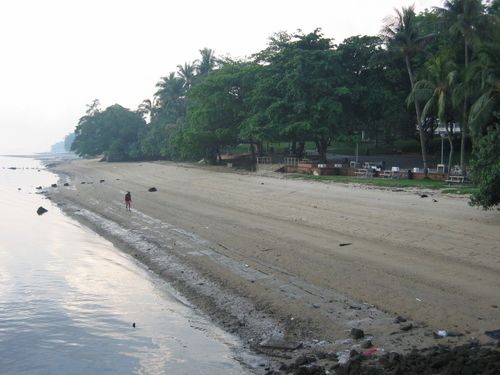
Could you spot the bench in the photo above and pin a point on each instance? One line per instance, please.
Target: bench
(455, 180)
(362, 172)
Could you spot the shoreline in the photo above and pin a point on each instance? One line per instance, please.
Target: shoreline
(278, 309)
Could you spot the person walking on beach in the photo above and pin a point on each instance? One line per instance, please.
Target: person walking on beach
(128, 200)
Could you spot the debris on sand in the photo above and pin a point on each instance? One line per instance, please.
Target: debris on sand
(345, 244)
(66, 184)
(54, 185)
(152, 189)
(465, 359)
(101, 181)
(423, 195)
(41, 210)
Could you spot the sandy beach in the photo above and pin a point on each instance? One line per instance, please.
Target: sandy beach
(281, 261)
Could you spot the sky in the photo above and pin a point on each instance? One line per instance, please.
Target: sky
(57, 56)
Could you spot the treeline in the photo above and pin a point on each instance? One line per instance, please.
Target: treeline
(436, 69)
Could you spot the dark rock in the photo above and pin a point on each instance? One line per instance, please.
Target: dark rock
(357, 333)
(83, 182)
(399, 319)
(41, 210)
(332, 356)
(38, 188)
(366, 344)
(277, 343)
(321, 355)
(493, 334)
(434, 200)
(66, 184)
(304, 360)
(353, 353)
(309, 370)
(335, 366)
(101, 181)
(407, 327)
(152, 189)
(54, 185)
(345, 244)
(13, 168)
(284, 367)
(423, 195)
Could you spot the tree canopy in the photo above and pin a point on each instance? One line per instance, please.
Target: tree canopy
(436, 68)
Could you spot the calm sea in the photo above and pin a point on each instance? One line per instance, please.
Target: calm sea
(69, 298)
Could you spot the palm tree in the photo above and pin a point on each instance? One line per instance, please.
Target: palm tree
(486, 72)
(207, 62)
(170, 88)
(148, 108)
(437, 89)
(170, 98)
(402, 31)
(463, 18)
(186, 72)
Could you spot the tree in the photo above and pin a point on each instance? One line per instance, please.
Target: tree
(148, 109)
(377, 85)
(437, 89)
(187, 73)
(113, 132)
(302, 89)
(464, 18)
(207, 62)
(485, 166)
(402, 31)
(216, 111)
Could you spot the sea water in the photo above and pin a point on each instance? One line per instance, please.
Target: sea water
(69, 299)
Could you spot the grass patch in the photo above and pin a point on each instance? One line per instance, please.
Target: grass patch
(390, 183)
(461, 190)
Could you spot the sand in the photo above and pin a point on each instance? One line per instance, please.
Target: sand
(293, 261)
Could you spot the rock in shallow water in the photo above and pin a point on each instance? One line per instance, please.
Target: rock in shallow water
(41, 210)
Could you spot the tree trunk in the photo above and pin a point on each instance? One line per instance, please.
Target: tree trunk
(219, 156)
(300, 149)
(419, 119)
(449, 135)
(260, 146)
(463, 127)
(322, 145)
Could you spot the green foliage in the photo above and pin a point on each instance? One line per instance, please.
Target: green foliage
(113, 132)
(216, 110)
(304, 90)
(299, 91)
(485, 168)
(407, 145)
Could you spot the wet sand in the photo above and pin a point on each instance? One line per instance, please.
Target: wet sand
(299, 261)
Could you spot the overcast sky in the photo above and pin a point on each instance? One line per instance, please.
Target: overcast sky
(59, 55)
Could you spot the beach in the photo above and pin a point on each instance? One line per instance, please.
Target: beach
(288, 263)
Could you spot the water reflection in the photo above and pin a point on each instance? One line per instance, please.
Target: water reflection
(68, 299)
